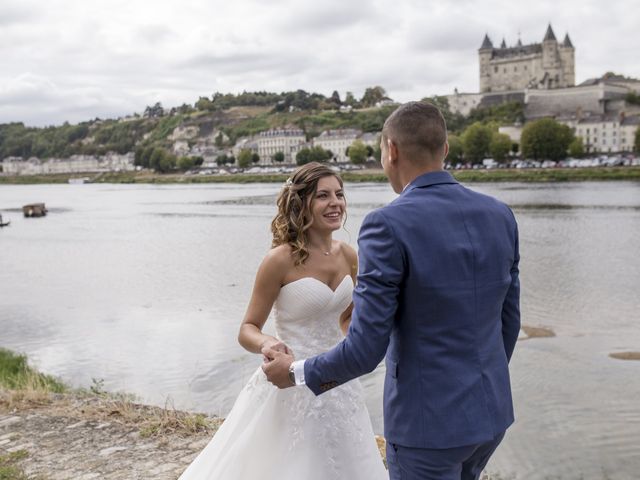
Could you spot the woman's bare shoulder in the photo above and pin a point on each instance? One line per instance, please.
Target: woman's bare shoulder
(280, 256)
(348, 251)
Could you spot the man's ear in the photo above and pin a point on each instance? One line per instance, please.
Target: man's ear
(393, 151)
(446, 150)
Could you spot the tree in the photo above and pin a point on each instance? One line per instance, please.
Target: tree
(319, 154)
(335, 98)
(303, 156)
(636, 145)
(222, 160)
(500, 146)
(456, 149)
(545, 139)
(357, 152)
(255, 158)
(373, 95)
(576, 148)
(204, 104)
(350, 100)
(278, 157)
(143, 156)
(162, 161)
(244, 158)
(155, 111)
(476, 141)
(377, 153)
(186, 163)
(219, 140)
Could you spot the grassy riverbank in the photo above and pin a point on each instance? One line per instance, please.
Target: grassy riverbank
(25, 391)
(542, 175)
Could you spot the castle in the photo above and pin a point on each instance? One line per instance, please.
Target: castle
(543, 65)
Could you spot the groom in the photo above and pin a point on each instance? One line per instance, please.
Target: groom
(438, 293)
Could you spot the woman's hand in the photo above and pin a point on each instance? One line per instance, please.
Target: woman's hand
(273, 344)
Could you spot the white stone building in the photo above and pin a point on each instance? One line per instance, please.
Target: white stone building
(371, 138)
(285, 140)
(337, 141)
(110, 162)
(605, 133)
(463, 103)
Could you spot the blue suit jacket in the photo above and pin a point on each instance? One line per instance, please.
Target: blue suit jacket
(438, 292)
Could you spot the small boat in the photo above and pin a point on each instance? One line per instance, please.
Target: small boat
(78, 181)
(34, 210)
(4, 224)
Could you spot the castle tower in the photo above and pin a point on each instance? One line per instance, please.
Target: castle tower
(485, 53)
(568, 60)
(550, 60)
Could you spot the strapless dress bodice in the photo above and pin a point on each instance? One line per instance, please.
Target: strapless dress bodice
(307, 314)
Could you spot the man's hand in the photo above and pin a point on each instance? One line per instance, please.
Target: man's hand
(277, 369)
(273, 344)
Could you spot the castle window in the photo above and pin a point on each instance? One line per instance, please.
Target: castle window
(505, 69)
(515, 69)
(525, 67)
(495, 69)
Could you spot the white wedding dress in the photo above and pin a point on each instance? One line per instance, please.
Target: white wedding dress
(291, 434)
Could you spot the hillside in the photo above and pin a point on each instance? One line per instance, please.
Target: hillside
(222, 119)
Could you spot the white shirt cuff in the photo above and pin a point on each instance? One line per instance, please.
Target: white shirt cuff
(298, 371)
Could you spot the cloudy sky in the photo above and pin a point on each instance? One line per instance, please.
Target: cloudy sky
(72, 60)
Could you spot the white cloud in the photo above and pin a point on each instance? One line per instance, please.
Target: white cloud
(72, 60)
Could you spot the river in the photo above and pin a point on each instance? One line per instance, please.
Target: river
(143, 287)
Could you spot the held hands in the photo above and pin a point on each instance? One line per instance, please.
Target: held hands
(276, 366)
(275, 345)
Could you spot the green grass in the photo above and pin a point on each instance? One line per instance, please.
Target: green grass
(9, 470)
(16, 374)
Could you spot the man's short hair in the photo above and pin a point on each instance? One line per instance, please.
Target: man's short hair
(418, 128)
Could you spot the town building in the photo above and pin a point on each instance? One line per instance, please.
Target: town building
(289, 141)
(111, 162)
(337, 141)
(605, 133)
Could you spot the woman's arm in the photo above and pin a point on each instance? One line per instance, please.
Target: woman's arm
(352, 259)
(265, 291)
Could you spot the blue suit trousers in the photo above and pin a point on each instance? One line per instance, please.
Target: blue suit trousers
(461, 463)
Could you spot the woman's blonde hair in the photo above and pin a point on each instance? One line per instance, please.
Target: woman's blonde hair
(294, 201)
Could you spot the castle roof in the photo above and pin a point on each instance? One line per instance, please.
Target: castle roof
(503, 44)
(633, 120)
(567, 41)
(517, 51)
(486, 43)
(519, 44)
(549, 35)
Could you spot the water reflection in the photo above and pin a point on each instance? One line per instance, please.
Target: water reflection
(144, 286)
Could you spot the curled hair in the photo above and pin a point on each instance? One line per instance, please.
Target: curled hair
(294, 218)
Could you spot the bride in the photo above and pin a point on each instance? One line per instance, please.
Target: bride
(307, 278)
